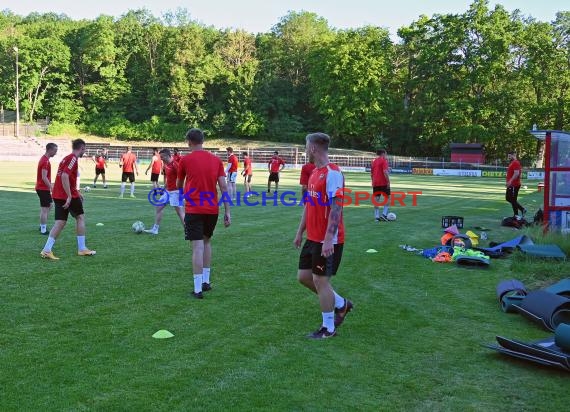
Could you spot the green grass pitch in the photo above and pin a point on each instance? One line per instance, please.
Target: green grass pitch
(76, 334)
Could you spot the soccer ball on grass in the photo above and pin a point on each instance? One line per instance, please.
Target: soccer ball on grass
(138, 226)
(391, 216)
(86, 189)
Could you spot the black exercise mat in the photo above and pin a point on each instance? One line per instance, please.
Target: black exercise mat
(534, 349)
(472, 261)
(542, 251)
(524, 356)
(561, 288)
(546, 309)
(562, 336)
(510, 300)
(510, 245)
(550, 344)
(510, 285)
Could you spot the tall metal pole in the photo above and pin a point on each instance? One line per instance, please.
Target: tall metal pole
(17, 95)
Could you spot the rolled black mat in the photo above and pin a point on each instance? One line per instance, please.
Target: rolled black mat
(562, 336)
(510, 299)
(549, 345)
(472, 261)
(546, 309)
(561, 288)
(509, 285)
(543, 251)
(525, 356)
(534, 350)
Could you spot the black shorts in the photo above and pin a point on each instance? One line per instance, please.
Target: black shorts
(128, 175)
(274, 177)
(99, 171)
(377, 190)
(512, 193)
(311, 258)
(196, 226)
(75, 208)
(247, 178)
(45, 197)
(154, 177)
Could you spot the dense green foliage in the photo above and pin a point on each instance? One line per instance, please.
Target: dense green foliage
(483, 76)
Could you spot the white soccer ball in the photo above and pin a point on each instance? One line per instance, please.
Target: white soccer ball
(391, 216)
(138, 226)
(86, 189)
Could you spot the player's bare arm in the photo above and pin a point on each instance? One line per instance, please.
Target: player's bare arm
(516, 174)
(180, 183)
(66, 189)
(46, 180)
(302, 227)
(224, 189)
(332, 226)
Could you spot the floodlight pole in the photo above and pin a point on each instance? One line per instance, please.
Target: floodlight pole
(17, 95)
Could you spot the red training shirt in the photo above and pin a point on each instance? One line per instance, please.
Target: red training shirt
(514, 165)
(68, 165)
(156, 165)
(171, 174)
(247, 166)
(128, 159)
(233, 161)
(324, 184)
(43, 164)
(100, 162)
(200, 171)
(379, 166)
(306, 171)
(274, 164)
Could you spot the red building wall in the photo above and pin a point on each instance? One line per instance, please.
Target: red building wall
(468, 157)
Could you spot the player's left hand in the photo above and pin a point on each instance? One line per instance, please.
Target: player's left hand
(298, 240)
(227, 220)
(328, 248)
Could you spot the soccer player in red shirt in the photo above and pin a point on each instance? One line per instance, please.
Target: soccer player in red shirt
(380, 174)
(156, 166)
(247, 173)
(68, 200)
(128, 163)
(306, 171)
(275, 165)
(513, 184)
(176, 155)
(171, 193)
(199, 174)
(231, 172)
(100, 160)
(322, 251)
(43, 185)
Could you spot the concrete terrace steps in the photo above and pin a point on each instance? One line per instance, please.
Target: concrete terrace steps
(30, 148)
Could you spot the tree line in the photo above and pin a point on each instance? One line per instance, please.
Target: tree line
(483, 76)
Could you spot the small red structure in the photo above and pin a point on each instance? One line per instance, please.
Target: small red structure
(467, 153)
